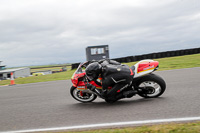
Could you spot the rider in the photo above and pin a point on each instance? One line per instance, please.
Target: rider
(114, 75)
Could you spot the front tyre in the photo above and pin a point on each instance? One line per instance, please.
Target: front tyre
(84, 97)
(151, 86)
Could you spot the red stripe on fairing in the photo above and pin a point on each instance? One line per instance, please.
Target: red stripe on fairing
(145, 66)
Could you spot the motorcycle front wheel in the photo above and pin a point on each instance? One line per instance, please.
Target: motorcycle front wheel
(84, 97)
(152, 86)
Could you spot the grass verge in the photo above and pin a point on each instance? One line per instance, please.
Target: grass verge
(193, 127)
(178, 62)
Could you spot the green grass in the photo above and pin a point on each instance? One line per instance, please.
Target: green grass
(55, 68)
(50, 67)
(55, 65)
(34, 79)
(193, 127)
(178, 62)
(43, 69)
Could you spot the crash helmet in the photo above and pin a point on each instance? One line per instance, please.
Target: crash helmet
(93, 70)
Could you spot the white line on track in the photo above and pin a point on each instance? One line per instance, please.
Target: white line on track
(108, 125)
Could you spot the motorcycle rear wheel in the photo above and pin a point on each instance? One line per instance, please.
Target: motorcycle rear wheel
(153, 86)
(87, 97)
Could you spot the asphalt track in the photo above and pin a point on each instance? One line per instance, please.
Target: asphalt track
(49, 104)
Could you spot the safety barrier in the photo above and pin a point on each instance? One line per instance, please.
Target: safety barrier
(152, 56)
(75, 65)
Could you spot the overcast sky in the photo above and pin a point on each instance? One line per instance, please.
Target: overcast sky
(37, 32)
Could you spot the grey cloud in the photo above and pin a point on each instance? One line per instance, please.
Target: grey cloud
(58, 31)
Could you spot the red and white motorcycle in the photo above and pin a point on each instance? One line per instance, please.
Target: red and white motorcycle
(145, 83)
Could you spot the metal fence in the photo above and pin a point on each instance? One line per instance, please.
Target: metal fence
(152, 56)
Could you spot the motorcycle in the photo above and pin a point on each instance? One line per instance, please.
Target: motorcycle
(145, 83)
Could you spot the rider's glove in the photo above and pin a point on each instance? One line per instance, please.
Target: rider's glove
(91, 87)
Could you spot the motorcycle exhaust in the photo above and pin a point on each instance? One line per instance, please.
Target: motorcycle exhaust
(95, 92)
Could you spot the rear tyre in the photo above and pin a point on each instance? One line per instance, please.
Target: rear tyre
(152, 86)
(84, 98)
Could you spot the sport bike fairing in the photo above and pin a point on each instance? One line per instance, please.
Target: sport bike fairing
(145, 67)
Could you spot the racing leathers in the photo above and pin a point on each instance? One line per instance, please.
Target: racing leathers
(116, 76)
